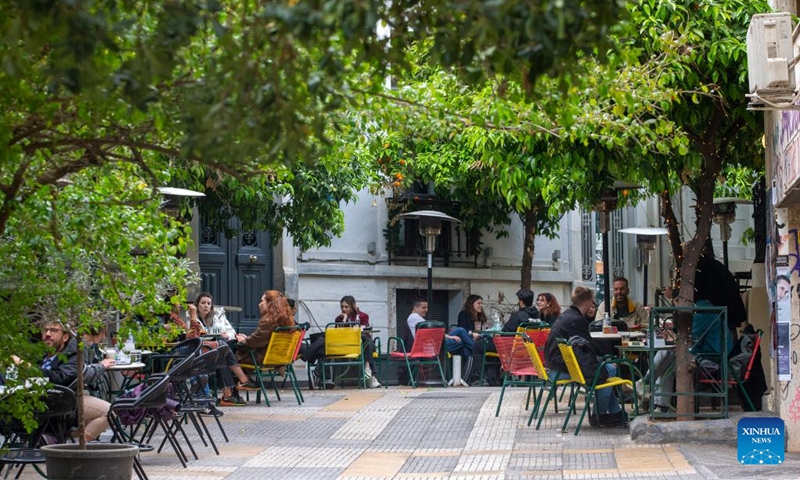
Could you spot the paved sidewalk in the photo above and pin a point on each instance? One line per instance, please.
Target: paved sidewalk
(431, 434)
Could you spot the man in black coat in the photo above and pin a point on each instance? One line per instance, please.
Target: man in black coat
(526, 313)
(60, 365)
(574, 321)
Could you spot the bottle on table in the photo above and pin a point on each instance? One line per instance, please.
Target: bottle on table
(607, 324)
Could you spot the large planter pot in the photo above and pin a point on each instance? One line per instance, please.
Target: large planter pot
(100, 461)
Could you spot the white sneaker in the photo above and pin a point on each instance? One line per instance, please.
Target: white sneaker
(641, 391)
(374, 383)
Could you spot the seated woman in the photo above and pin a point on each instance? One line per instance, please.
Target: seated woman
(196, 328)
(350, 313)
(275, 312)
(95, 410)
(548, 306)
(210, 316)
(473, 319)
(708, 342)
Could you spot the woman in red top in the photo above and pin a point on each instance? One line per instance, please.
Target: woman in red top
(351, 313)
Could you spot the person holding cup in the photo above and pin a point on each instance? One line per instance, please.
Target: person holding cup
(212, 319)
(202, 317)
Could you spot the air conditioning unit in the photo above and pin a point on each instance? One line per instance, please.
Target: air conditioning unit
(769, 52)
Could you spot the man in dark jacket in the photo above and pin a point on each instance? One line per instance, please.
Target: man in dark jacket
(574, 321)
(60, 365)
(526, 313)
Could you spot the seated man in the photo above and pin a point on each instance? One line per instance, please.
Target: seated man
(60, 366)
(456, 342)
(574, 321)
(623, 307)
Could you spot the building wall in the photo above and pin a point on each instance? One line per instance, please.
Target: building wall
(351, 266)
(357, 264)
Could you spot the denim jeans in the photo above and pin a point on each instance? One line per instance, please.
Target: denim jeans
(463, 347)
(605, 400)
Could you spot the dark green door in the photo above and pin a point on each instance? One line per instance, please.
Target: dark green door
(236, 272)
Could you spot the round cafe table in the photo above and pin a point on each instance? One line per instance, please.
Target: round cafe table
(128, 373)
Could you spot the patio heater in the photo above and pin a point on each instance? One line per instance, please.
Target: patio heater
(172, 197)
(723, 214)
(646, 241)
(430, 226)
(608, 203)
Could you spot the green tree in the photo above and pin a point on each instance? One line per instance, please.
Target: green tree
(68, 257)
(500, 152)
(706, 43)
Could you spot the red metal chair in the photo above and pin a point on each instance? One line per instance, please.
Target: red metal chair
(425, 351)
(539, 334)
(735, 378)
(518, 366)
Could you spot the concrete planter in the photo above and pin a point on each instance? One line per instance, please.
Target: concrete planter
(101, 461)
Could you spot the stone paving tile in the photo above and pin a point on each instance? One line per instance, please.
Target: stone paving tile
(430, 464)
(528, 461)
(285, 473)
(589, 461)
(434, 420)
(306, 457)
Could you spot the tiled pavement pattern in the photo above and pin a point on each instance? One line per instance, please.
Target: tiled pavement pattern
(435, 433)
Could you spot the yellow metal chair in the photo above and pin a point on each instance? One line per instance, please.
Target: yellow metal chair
(589, 389)
(281, 353)
(549, 381)
(343, 348)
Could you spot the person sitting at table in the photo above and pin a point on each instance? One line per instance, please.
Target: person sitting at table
(574, 321)
(230, 397)
(527, 313)
(94, 358)
(275, 312)
(623, 307)
(351, 313)
(473, 319)
(210, 316)
(457, 341)
(60, 366)
(548, 306)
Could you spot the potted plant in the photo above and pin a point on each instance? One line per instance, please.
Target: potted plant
(68, 257)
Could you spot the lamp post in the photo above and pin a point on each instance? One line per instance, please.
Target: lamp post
(430, 226)
(646, 241)
(723, 214)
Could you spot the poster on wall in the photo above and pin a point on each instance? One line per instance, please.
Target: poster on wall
(783, 317)
(783, 354)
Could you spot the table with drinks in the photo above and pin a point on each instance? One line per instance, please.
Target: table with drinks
(129, 365)
(606, 343)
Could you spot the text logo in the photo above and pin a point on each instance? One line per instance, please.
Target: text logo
(761, 441)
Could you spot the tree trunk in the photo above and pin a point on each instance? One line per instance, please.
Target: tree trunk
(80, 393)
(686, 258)
(528, 249)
